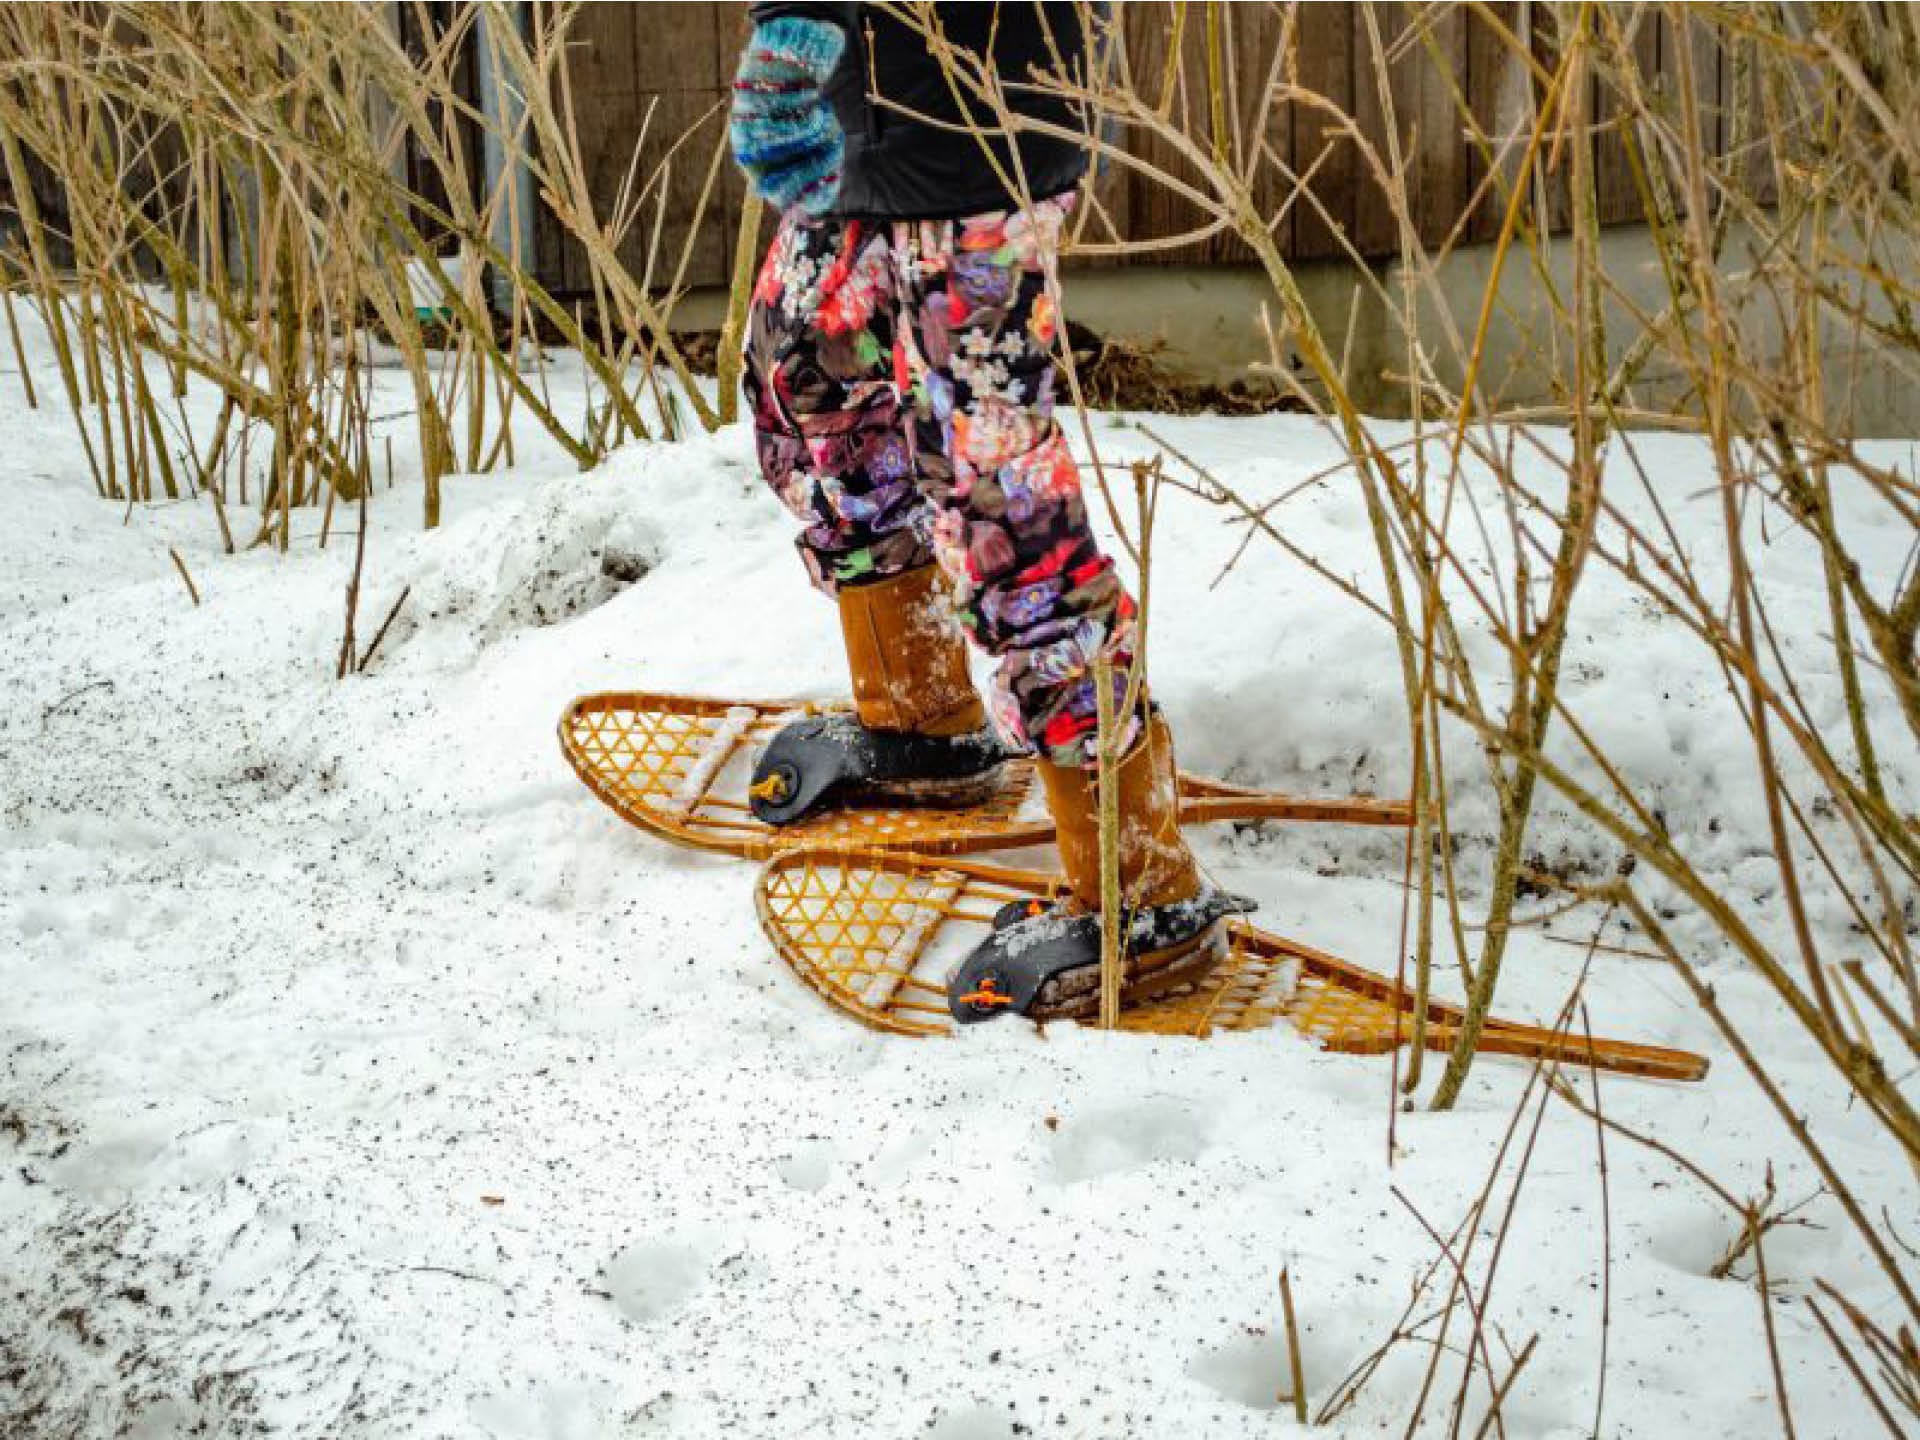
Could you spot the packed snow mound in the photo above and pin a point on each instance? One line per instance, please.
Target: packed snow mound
(517, 563)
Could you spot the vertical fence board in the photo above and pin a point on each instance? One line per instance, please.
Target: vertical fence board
(1689, 51)
(1437, 61)
(1325, 58)
(1783, 98)
(1706, 63)
(683, 127)
(1557, 163)
(676, 51)
(1259, 131)
(420, 28)
(1155, 32)
(1377, 91)
(1414, 117)
(1498, 94)
(648, 92)
(609, 110)
(600, 49)
(1616, 196)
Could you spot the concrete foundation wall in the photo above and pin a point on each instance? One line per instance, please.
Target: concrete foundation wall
(1205, 322)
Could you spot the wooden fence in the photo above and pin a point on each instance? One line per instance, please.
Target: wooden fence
(1436, 57)
(648, 83)
(657, 74)
(654, 78)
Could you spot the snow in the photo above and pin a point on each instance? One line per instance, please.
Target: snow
(361, 1075)
(700, 775)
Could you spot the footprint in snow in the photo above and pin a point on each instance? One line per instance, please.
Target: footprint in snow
(1124, 1137)
(898, 1159)
(39, 919)
(973, 1422)
(1250, 1370)
(108, 1169)
(654, 1277)
(1696, 1241)
(203, 1158)
(260, 1251)
(544, 1411)
(809, 1167)
(165, 1419)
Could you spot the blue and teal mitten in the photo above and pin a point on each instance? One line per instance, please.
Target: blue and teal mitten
(784, 132)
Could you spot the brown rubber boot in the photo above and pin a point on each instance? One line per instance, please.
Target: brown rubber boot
(1156, 867)
(1045, 963)
(907, 658)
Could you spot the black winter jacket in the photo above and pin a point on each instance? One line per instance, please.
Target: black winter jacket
(901, 168)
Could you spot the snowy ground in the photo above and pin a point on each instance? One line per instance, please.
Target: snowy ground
(360, 1076)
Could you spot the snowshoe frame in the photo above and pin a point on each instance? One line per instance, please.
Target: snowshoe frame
(860, 930)
(674, 765)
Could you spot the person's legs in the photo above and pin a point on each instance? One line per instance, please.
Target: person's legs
(827, 420)
(1034, 589)
(834, 444)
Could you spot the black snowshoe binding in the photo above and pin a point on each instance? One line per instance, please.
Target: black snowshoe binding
(1043, 961)
(828, 761)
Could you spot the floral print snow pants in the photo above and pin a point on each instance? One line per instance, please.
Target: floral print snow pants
(901, 377)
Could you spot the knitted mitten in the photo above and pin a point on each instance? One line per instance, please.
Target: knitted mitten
(784, 133)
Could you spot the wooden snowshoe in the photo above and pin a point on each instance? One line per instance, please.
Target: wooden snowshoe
(679, 766)
(876, 936)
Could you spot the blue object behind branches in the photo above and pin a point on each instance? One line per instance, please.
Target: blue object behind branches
(783, 130)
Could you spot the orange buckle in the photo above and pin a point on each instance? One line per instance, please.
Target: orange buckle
(986, 997)
(773, 789)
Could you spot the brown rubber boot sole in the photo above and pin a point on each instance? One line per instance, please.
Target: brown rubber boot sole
(963, 794)
(1075, 994)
